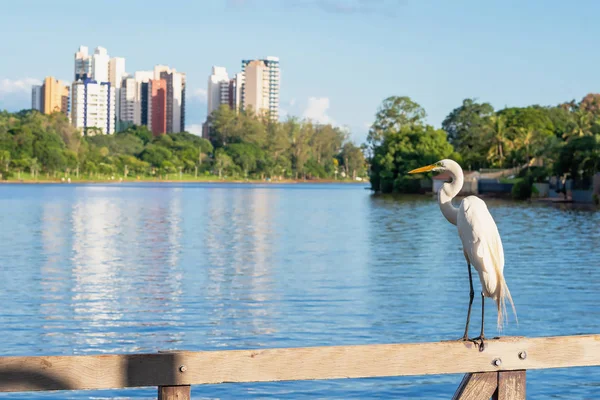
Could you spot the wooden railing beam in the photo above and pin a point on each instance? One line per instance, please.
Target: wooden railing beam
(309, 363)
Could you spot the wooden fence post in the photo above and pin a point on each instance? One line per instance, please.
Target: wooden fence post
(175, 392)
(511, 385)
(182, 392)
(477, 386)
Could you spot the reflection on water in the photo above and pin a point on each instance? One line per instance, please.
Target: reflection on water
(89, 269)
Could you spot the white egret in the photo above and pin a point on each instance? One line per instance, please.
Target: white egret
(481, 242)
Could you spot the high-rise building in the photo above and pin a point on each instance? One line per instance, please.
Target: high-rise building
(159, 88)
(52, 96)
(93, 107)
(128, 100)
(83, 64)
(256, 87)
(235, 91)
(218, 89)
(36, 97)
(144, 100)
(260, 88)
(136, 97)
(176, 82)
(98, 78)
(116, 72)
(100, 62)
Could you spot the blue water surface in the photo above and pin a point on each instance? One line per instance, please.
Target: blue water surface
(129, 268)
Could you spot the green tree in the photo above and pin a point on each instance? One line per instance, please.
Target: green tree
(394, 114)
(402, 151)
(5, 159)
(222, 161)
(155, 155)
(580, 157)
(467, 127)
(353, 160)
(224, 126)
(581, 125)
(140, 132)
(500, 141)
(245, 155)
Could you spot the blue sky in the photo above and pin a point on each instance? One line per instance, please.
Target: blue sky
(339, 58)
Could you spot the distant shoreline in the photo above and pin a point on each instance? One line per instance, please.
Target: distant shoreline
(250, 182)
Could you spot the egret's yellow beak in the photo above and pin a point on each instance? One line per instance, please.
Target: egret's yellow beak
(423, 169)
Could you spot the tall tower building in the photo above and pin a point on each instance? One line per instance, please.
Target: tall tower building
(128, 99)
(262, 87)
(159, 90)
(144, 101)
(36, 97)
(116, 72)
(100, 62)
(83, 64)
(235, 92)
(93, 107)
(256, 87)
(176, 82)
(52, 96)
(217, 89)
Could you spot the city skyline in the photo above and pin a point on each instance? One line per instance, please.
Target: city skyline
(255, 87)
(341, 58)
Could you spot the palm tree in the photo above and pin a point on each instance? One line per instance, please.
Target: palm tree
(582, 125)
(530, 140)
(500, 142)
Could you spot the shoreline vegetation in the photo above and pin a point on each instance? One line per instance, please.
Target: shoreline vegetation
(243, 147)
(174, 179)
(545, 141)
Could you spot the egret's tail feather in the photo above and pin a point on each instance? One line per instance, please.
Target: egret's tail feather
(501, 295)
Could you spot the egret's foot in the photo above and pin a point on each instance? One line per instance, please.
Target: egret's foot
(479, 341)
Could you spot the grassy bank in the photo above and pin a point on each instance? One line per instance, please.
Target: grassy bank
(27, 178)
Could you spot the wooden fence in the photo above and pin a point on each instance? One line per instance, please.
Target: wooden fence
(498, 371)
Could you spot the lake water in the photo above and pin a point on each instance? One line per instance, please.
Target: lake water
(123, 268)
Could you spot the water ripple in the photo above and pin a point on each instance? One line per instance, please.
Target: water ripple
(91, 269)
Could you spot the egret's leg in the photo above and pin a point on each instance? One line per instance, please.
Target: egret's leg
(471, 296)
(481, 337)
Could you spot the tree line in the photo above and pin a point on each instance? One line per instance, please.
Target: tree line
(241, 145)
(558, 140)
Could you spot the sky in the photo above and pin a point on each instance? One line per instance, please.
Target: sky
(339, 59)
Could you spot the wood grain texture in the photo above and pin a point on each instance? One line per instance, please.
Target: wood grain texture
(477, 386)
(335, 362)
(183, 392)
(511, 385)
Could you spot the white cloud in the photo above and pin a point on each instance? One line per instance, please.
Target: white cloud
(292, 101)
(316, 110)
(9, 86)
(200, 93)
(196, 129)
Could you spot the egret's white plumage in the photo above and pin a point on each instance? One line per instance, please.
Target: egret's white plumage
(479, 235)
(483, 249)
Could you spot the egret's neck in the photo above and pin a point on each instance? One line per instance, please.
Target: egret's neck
(448, 191)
